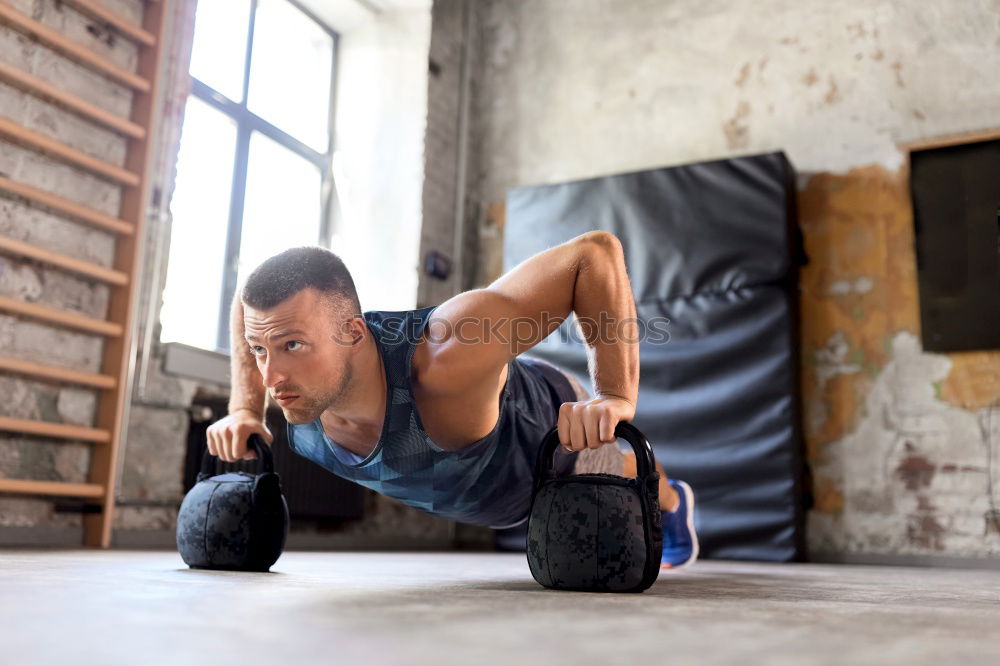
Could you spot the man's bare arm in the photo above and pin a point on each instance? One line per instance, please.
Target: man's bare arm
(227, 437)
(247, 388)
(479, 331)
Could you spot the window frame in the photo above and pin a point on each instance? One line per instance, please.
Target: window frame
(247, 122)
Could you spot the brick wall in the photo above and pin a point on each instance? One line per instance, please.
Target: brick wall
(38, 458)
(441, 147)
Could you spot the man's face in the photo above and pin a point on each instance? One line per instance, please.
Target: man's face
(303, 351)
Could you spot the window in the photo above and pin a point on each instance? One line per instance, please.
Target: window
(253, 168)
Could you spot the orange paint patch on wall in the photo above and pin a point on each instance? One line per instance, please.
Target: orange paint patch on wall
(974, 380)
(840, 406)
(828, 497)
(860, 283)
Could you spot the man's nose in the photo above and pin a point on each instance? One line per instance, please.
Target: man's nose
(272, 374)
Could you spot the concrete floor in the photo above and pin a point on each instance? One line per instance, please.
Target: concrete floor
(146, 607)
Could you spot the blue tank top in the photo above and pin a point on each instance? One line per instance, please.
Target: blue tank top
(488, 482)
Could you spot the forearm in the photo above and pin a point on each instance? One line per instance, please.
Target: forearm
(247, 389)
(606, 316)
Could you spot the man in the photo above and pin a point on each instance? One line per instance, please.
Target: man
(435, 406)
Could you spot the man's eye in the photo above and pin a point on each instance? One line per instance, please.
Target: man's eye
(253, 350)
(294, 342)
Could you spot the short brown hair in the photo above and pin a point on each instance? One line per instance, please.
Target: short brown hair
(286, 274)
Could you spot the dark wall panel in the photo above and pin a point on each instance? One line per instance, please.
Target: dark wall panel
(956, 217)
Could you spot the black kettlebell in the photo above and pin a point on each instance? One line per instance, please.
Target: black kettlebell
(596, 532)
(234, 520)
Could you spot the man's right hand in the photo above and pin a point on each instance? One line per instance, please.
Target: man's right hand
(227, 437)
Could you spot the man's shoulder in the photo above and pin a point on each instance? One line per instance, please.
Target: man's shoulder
(425, 366)
(395, 318)
(396, 328)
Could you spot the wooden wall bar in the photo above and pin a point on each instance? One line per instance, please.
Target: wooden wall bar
(112, 382)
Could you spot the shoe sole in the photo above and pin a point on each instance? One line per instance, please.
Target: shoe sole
(689, 498)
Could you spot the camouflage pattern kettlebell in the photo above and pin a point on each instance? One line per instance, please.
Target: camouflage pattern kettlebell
(235, 520)
(596, 532)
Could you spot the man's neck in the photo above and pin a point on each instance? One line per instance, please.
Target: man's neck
(357, 423)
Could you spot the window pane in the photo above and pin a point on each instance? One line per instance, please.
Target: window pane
(290, 72)
(282, 205)
(200, 209)
(218, 52)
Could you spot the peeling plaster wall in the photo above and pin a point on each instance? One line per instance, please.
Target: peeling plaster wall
(905, 446)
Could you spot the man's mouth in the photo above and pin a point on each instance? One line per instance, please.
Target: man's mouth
(286, 400)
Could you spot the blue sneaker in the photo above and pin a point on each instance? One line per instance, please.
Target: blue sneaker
(680, 543)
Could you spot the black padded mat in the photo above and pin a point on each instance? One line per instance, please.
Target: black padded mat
(713, 252)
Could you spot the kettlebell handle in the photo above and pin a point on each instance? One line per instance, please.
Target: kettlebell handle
(644, 462)
(265, 461)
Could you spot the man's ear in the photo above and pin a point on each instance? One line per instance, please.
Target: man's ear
(358, 332)
(350, 332)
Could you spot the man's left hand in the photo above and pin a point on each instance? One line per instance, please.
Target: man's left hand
(590, 424)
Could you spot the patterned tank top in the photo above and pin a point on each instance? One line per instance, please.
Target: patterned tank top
(489, 481)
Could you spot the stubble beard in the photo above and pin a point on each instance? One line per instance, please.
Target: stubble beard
(309, 408)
